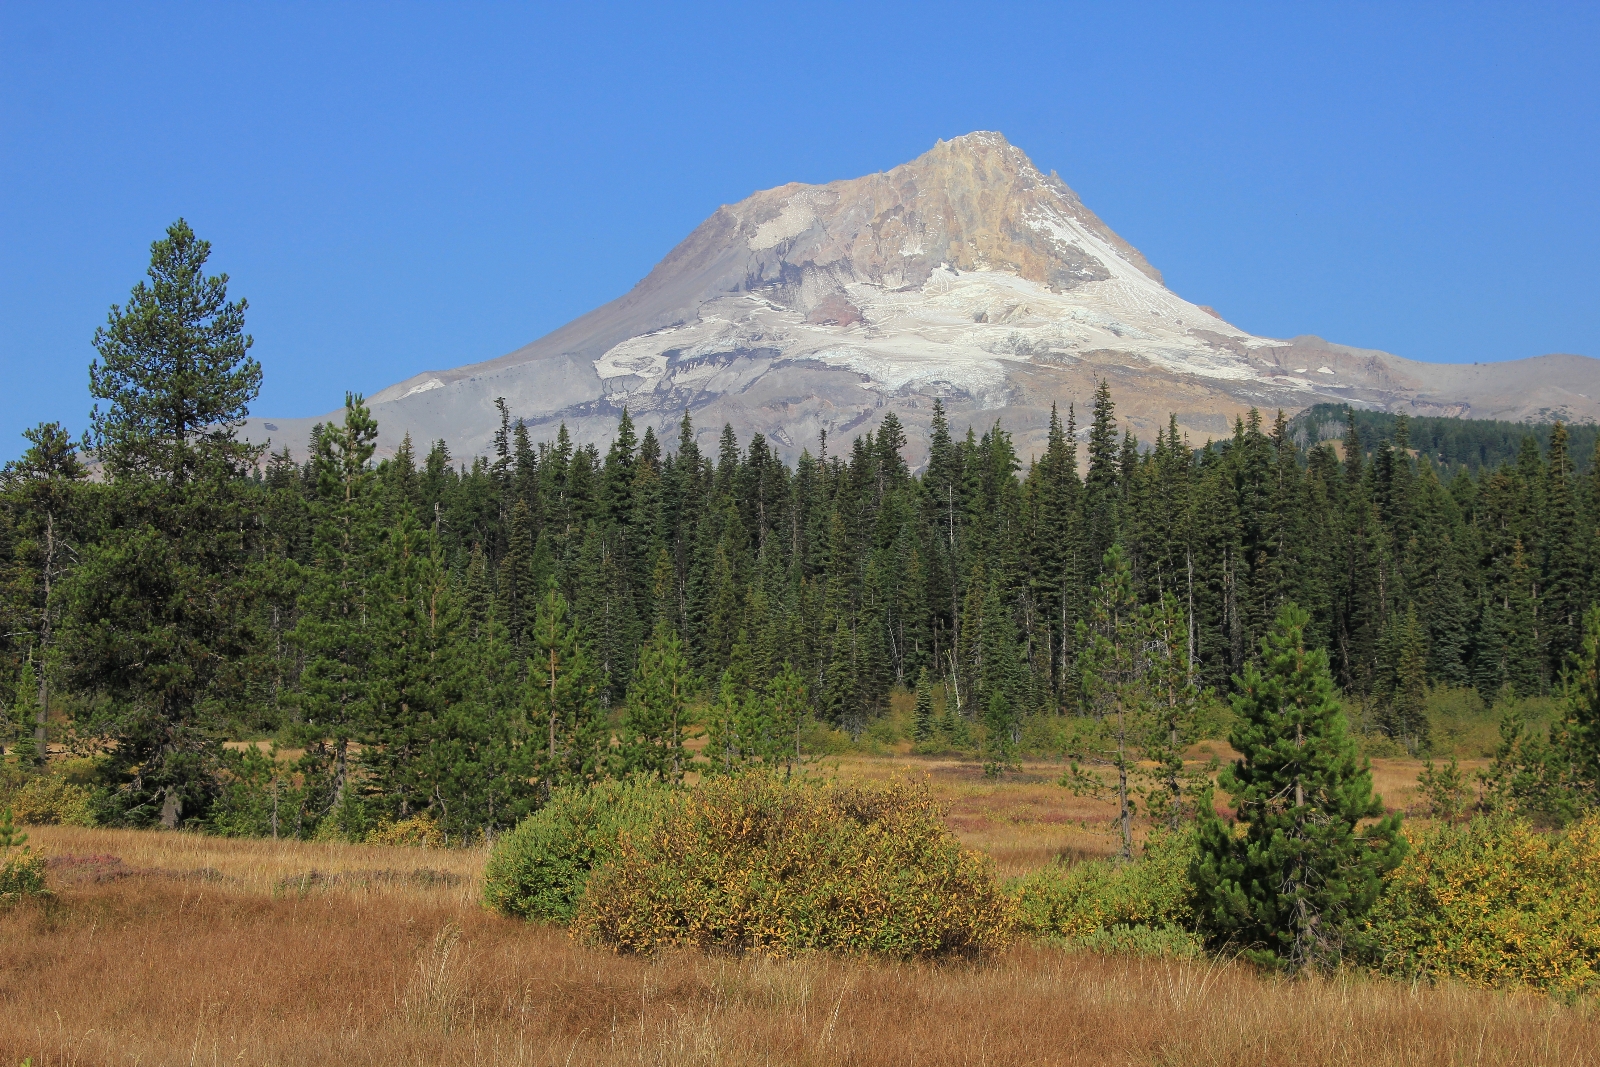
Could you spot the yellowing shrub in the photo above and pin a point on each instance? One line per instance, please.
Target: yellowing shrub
(756, 863)
(419, 831)
(1495, 902)
(1142, 907)
(46, 800)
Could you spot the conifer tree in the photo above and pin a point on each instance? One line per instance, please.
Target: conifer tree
(338, 627)
(1577, 739)
(1564, 553)
(1100, 489)
(656, 718)
(487, 741)
(160, 604)
(922, 711)
(1000, 682)
(787, 702)
(24, 715)
(422, 680)
(1405, 689)
(735, 720)
(1170, 710)
(45, 487)
(1292, 888)
(1111, 668)
(563, 697)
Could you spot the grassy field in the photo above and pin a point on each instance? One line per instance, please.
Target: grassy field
(180, 949)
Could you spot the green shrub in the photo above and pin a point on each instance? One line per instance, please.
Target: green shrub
(538, 871)
(1495, 902)
(757, 863)
(50, 800)
(21, 869)
(347, 821)
(1143, 907)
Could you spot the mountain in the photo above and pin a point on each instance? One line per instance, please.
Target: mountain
(965, 274)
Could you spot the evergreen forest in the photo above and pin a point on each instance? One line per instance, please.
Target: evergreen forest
(459, 636)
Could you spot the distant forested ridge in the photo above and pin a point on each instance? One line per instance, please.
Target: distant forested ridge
(459, 637)
(1446, 442)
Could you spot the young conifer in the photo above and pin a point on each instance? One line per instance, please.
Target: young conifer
(657, 714)
(788, 702)
(337, 630)
(563, 699)
(1111, 667)
(24, 714)
(922, 712)
(1292, 887)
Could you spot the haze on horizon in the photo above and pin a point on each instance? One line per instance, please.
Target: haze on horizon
(401, 193)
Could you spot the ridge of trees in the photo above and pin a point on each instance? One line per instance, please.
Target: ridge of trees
(462, 637)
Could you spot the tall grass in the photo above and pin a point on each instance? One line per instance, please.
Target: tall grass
(162, 948)
(152, 972)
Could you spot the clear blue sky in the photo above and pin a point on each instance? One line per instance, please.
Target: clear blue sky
(399, 187)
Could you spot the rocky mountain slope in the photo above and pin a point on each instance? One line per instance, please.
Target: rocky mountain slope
(965, 274)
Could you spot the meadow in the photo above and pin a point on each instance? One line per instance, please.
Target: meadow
(175, 948)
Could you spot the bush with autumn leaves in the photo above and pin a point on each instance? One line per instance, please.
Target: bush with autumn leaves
(756, 863)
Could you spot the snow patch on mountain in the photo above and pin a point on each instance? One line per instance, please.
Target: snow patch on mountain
(957, 329)
(431, 383)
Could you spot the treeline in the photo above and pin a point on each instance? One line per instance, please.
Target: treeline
(459, 638)
(1448, 443)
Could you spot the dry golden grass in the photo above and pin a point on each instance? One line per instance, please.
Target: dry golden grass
(193, 950)
(261, 867)
(1025, 820)
(153, 972)
(1022, 819)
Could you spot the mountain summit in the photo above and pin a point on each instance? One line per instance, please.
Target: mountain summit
(965, 274)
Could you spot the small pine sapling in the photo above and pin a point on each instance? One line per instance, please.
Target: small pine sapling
(21, 869)
(1291, 889)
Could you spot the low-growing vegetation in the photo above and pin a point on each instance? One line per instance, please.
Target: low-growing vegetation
(1495, 902)
(758, 863)
(21, 870)
(621, 675)
(540, 870)
(755, 862)
(367, 970)
(1141, 908)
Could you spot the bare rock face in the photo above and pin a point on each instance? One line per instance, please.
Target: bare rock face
(965, 275)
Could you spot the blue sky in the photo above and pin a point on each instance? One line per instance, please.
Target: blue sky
(399, 187)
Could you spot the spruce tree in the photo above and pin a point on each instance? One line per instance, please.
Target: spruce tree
(487, 746)
(568, 730)
(1100, 489)
(1170, 710)
(337, 631)
(24, 715)
(1577, 736)
(1293, 886)
(421, 684)
(787, 703)
(1111, 667)
(1564, 554)
(1001, 682)
(922, 711)
(735, 725)
(656, 718)
(45, 487)
(1405, 684)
